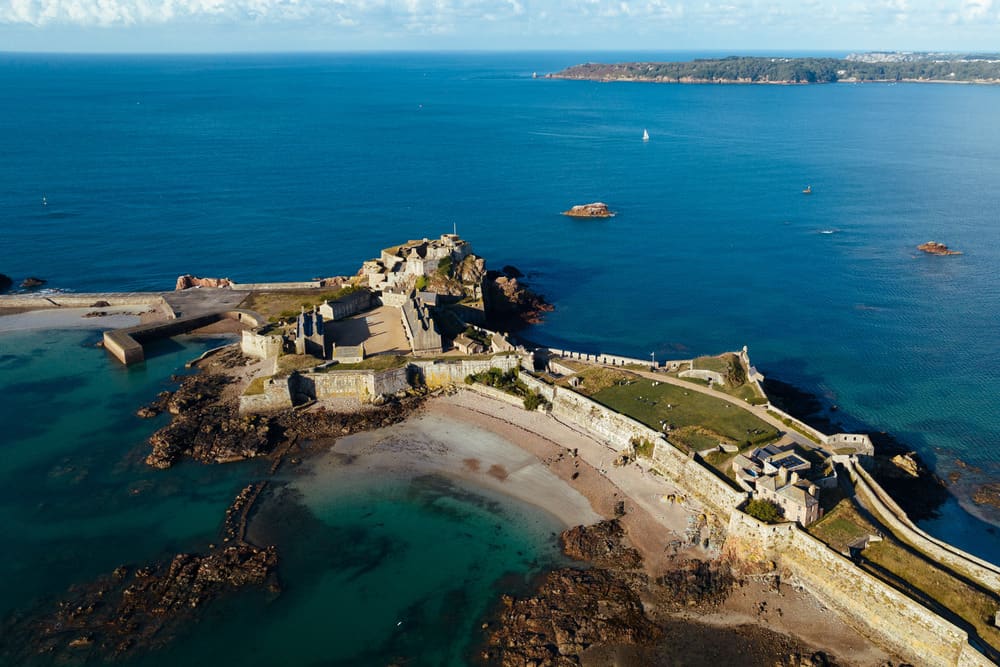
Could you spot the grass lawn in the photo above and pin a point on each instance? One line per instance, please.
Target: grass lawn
(697, 421)
(841, 526)
(380, 362)
(274, 305)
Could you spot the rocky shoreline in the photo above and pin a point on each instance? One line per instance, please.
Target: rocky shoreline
(611, 608)
(135, 609)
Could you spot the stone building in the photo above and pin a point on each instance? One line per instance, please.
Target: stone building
(310, 335)
(401, 264)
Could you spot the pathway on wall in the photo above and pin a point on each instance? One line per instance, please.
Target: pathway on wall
(202, 301)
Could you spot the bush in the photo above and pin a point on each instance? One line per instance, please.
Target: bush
(445, 266)
(643, 448)
(534, 400)
(765, 510)
(421, 283)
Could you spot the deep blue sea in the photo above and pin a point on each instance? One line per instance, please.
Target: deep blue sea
(295, 166)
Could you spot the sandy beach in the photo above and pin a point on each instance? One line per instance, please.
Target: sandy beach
(500, 448)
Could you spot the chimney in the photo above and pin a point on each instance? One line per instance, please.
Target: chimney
(813, 490)
(795, 477)
(783, 475)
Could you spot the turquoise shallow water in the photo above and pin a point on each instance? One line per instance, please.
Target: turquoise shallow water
(383, 569)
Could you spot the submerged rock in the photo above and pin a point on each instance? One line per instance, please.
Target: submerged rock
(139, 608)
(32, 282)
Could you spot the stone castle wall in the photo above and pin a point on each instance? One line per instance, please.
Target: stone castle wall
(874, 608)
(261, 346)
(986, 574)
(439, 373)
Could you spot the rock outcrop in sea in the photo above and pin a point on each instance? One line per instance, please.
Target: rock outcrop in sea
(595, 210)
(935, 248)
(509, 303)
(5, 283)
(33, 282)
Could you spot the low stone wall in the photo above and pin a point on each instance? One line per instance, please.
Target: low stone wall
(872, 495)
(702, 374)
(815, 434)
(874, 608)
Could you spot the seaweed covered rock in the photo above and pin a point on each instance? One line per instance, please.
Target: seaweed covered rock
(601, 544)
(571, 611)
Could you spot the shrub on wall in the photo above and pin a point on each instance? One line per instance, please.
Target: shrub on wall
(765, 510)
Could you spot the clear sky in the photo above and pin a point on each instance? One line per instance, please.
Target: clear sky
(591, 25)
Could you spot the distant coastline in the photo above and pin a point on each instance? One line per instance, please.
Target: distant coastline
(753, 70)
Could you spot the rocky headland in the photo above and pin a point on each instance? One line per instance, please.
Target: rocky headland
(509, 303)
(594, 210)
(935, 248)
(6, 282)
(207, 427)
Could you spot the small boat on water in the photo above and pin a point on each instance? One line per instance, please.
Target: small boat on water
(808, 190)
(645, 135)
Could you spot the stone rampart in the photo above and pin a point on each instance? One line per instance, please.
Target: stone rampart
(493, 392)
(276, 395)
(80, 300)
(271, 287)
(873, 607)
(859, 443)
(261, 345)
(352, 304)
(875, 498)
(811, 432)
(439, 373)
(619, 431)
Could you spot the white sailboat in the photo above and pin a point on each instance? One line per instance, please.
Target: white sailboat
(645, 135)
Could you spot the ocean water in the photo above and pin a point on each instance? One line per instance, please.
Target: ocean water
(290, 167)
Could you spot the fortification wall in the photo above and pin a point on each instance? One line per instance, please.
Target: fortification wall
(438, 373)
(266, 287)
(859, 442)
(618, 432)
(261, 346)
(352, 304)
(492, 392)
(871, 606)
(875, 498)
(276, 396)
(80, 300)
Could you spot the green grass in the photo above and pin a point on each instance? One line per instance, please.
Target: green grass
(792, 425)
(841, 526)
(718, 364)
(698, 421)
(379, 362)
(255, 388)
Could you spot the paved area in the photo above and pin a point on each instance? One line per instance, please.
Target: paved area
(381, 330)
(204, 300)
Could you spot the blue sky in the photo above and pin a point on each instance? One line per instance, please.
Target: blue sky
(591, 25)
